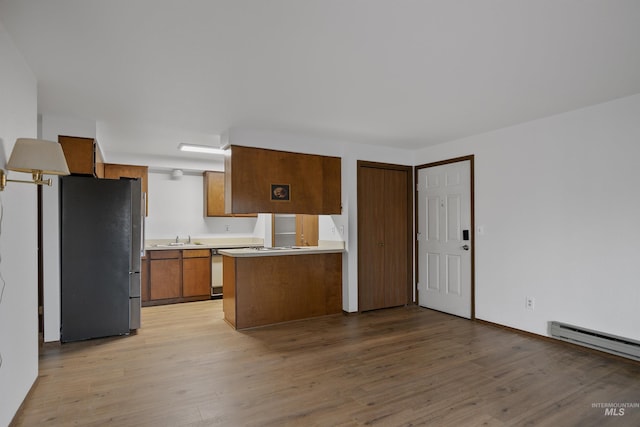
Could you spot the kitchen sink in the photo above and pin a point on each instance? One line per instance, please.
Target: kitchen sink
(179, 245)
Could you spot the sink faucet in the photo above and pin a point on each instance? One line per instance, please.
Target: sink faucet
(189, 239)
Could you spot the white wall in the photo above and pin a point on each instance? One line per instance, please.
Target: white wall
(327, 228)
(350, 154)
(560, 204)
(18, 241)
(176, 208)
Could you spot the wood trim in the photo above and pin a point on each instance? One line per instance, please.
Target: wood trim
(446, 162)
(410, 231)
(470, 158)
(376, 165)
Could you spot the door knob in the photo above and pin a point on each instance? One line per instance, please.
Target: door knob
(465, 247)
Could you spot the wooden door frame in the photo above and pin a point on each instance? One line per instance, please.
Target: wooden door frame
(410, 231)
(470, 158)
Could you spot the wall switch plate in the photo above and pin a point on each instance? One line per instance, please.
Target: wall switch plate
(529, 303)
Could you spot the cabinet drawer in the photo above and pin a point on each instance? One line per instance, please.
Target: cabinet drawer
(196, 253)
(164, 254)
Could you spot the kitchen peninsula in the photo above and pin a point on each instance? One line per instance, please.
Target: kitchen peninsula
(263, 286)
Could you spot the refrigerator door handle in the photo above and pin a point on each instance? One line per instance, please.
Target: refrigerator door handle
(134, 284)
(142, 220)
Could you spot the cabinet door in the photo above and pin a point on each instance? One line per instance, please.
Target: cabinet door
(261, 180)
(196, 277)
(165, 278)
(214, 193)
(307, 230)
(83, 155)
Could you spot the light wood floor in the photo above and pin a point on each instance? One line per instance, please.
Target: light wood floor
(403, 366)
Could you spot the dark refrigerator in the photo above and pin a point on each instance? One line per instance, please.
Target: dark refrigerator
(102, 234)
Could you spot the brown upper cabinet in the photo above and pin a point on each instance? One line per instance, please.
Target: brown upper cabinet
(117, 171)
(261, 180)
(214, 195)
(83, 155)
(306, 230)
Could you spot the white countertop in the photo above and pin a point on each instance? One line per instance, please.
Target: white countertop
(164, 247)
(203, 243)
(280, 251)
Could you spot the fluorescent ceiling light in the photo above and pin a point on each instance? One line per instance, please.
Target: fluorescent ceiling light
(195, 148)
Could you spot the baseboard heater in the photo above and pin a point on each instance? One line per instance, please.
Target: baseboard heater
(613, 344)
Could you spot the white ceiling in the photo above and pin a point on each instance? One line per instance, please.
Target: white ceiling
(402, 73)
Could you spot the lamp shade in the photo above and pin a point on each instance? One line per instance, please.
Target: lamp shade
(37, 155)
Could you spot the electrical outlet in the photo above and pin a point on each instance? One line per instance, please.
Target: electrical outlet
(530, 303)
(227, 227)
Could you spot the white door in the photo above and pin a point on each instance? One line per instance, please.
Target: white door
(444, 238)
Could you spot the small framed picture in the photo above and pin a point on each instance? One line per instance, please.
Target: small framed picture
(280, 192)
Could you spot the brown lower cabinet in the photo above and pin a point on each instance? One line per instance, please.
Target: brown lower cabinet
(144, 280)
(177, 276)
(263, 290)
(196, 272)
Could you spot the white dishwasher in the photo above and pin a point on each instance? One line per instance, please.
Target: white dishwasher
(216, 274)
